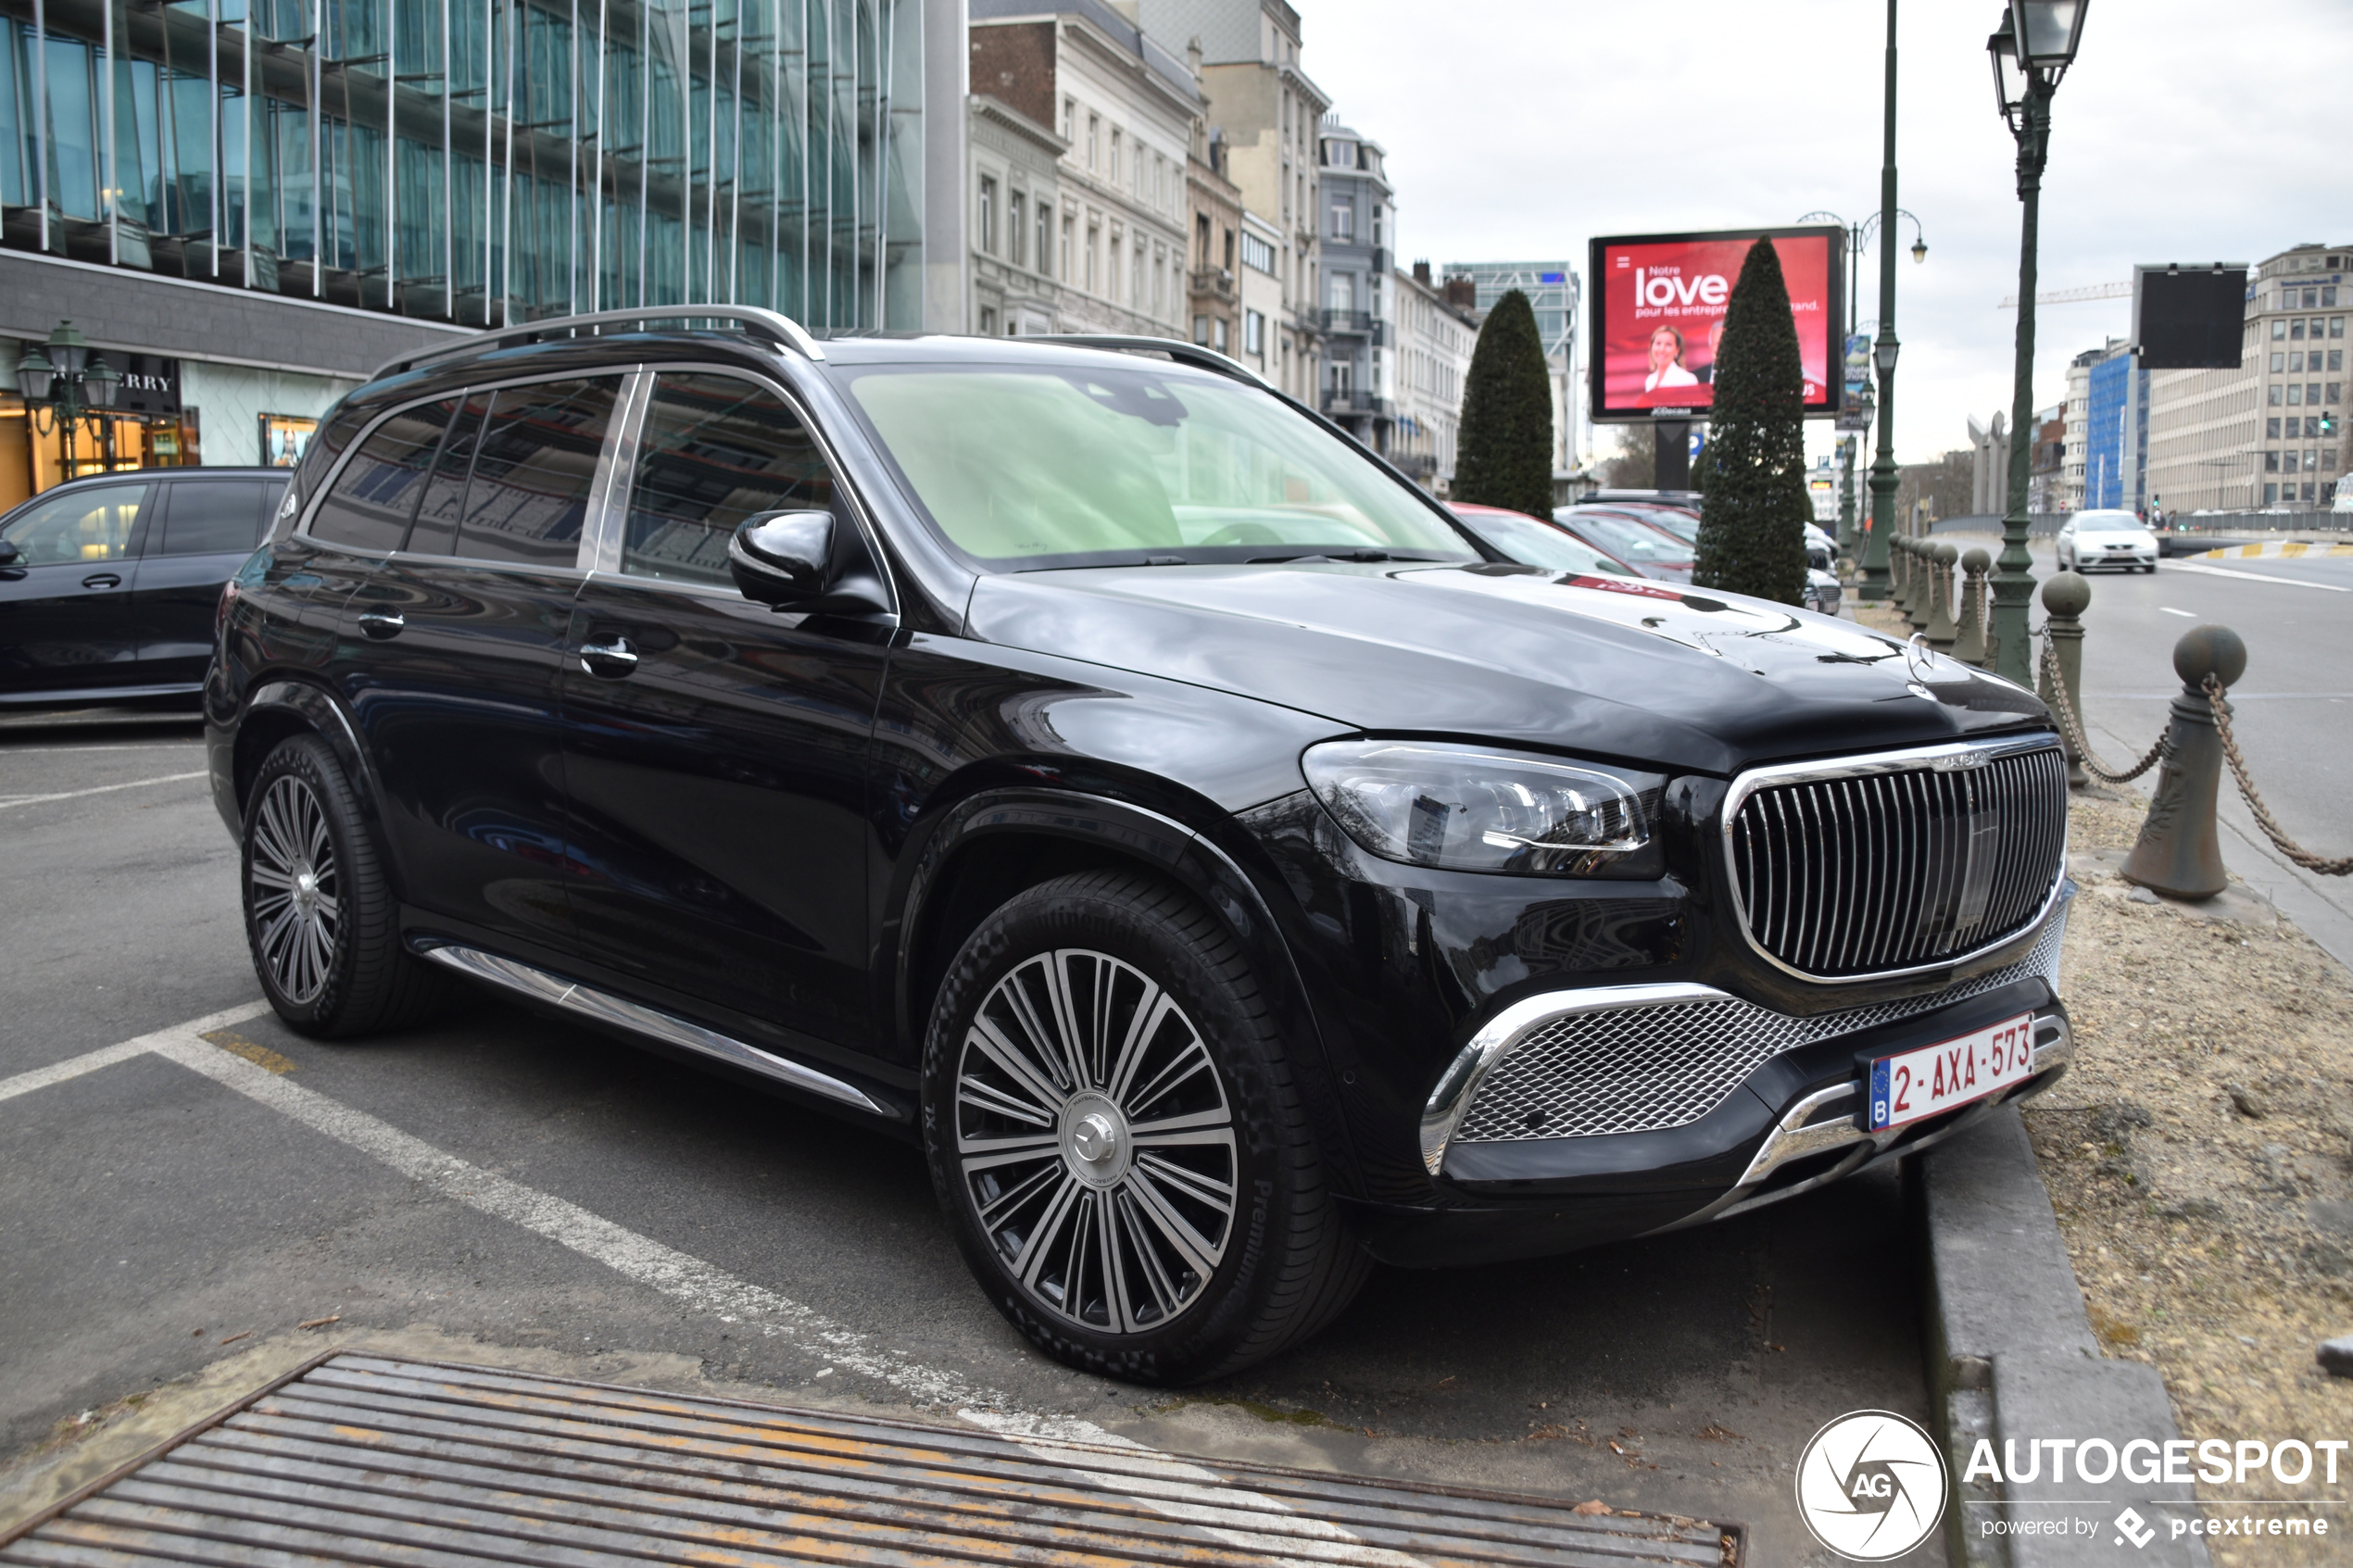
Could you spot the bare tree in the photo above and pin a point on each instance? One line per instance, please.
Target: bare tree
(1635, 464)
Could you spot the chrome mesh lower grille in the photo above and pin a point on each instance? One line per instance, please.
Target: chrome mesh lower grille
(1642, 1069)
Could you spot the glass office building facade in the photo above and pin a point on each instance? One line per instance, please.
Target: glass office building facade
(478, 161)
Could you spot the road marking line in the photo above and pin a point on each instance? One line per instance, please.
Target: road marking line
(107, 1056)
(95, 789)
(2184, 614)
(8, 750)
(260, 1055)
(1178, 1490)
(2257, 576)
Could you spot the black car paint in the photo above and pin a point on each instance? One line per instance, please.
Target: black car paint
(1001, 727)
(140, 626)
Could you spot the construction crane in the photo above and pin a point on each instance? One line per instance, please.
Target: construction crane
(2074, 296)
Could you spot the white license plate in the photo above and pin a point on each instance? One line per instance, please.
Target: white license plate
(1933, 1078)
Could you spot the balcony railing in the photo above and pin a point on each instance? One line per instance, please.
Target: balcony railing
(1357, 322)
(1353, 400)
(1214, 281)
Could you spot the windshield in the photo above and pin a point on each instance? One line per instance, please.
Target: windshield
(1532, 544)
(2107, 522)
(1627, 539)
(1681, 525)
(1062, 465)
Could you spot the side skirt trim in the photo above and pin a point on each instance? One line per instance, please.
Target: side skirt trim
(607, 1008)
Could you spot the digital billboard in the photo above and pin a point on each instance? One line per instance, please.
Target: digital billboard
(1658, 316)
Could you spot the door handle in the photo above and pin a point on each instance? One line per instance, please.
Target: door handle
(381, 624)
(609, 657)
(102, 580)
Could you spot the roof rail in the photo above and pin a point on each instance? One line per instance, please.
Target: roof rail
(779, 328)
(1178, 349)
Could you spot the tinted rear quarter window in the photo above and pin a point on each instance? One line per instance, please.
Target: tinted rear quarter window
(213, 517)
(374, 499)
(533, 468)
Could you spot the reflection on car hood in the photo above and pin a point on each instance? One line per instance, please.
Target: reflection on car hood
(1612, 667)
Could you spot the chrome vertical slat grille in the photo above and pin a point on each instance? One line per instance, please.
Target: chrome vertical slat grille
(1879, 865)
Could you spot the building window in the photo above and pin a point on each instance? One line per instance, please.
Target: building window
(988, 215)
(1343, 221)
(1094, 247)
(1377, 216)
(2271, 395)
(1110, 272)
(988, 321)
(2337, 326)
(2270, 494)
(1258, 253)
(1045, 237)
(2279, 329)
(1254, 333)
(2328, 460)
(2311, 426)
(1016, 226)
(2295, 330)
(2311, 393)
(2337, 359)
(1343, 291)
(1217, 341)
(1114, 155)
(1200, 330)
(1063, 267)
(2279, 362)
(2333, 389)
(2270, 458)
(2271, 429)
(1094, 139)
(1070, 116)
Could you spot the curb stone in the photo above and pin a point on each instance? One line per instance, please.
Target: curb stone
(2012, 1356)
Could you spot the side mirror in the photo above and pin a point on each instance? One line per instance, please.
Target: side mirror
(805, 561)
(782, 558)
(9, 554)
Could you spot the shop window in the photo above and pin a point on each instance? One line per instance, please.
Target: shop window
(284, 438)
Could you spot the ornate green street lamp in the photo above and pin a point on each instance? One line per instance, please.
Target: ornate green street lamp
(64, 384)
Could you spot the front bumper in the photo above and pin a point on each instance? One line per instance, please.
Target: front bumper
(1584, 1116)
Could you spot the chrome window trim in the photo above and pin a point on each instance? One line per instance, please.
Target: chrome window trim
(861, 515)
(1868, 765)
(1451, 1098)
(312, 502)
(600, 541)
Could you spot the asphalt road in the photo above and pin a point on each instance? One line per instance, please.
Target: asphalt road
(159, 1221)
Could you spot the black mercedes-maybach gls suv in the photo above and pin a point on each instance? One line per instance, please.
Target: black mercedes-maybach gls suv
(1084, 760)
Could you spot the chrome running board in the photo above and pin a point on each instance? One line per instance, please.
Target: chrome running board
(612, 1011)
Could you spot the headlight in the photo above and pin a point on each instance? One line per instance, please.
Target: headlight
(1469, 808)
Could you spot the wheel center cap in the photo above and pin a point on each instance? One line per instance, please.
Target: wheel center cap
(1094, 1139)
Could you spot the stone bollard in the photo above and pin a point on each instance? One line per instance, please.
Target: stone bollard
(2066, 594)
(1915, 606)
(1969, 647)
(1941, 628)
(2177, 854)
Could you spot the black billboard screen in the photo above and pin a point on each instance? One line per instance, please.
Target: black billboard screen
(2193, 319)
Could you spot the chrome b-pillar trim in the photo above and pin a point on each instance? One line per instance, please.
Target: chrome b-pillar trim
(1450, 1096)
(555, 991)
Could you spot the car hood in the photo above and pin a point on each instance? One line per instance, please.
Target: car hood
(1616, 667)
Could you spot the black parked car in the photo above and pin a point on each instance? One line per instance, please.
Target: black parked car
(108, 584)
(1084, 761)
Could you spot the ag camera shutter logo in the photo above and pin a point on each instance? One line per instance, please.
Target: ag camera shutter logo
(1871, 1486)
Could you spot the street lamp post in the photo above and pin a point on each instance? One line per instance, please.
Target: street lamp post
(66, 383)
(2033, 49)
(1874, 582)
(1858, 240)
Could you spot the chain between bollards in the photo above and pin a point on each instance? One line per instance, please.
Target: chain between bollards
(2074, 728)
(2215, 691)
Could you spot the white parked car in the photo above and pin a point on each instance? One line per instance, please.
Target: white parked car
(2107, 538)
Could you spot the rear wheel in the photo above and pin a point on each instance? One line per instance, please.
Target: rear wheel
(1118, 1140)
(320, 918)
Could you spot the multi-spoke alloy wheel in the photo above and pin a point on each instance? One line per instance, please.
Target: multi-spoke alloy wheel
(1116, 1137)
(296, 890)
(1095, 1141)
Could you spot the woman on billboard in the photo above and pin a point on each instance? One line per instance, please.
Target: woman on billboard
(1666, 362)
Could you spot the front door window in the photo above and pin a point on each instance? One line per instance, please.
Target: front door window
(715, 450)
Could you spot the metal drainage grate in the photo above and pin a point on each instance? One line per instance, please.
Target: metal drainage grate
(393, 1464)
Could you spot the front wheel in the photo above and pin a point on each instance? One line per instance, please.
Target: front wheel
(320, 918)
(1118, 1142)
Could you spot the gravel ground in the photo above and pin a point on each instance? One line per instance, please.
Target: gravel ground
(2200, 1157)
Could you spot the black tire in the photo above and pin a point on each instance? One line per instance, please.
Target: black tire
(320, 920)
(1105, 1283)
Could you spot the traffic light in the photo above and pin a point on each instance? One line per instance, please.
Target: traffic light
(2328, 424)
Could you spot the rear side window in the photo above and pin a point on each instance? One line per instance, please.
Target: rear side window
(214, 517)
(95, 524)
(715, 450)
(533, 467)
(436, 531)
(374, 497)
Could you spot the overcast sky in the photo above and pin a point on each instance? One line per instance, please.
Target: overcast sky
(1518, 129)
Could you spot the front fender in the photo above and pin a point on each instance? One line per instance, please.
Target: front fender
(1121, 829)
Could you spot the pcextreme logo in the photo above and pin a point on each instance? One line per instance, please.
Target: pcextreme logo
(1871, 1486)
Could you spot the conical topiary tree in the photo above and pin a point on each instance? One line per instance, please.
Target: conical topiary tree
(1752, 531)
(1504, 456)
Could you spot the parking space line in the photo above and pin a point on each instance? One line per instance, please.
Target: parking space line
(1170, 1486)
(107, 1056)
(96, 789)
